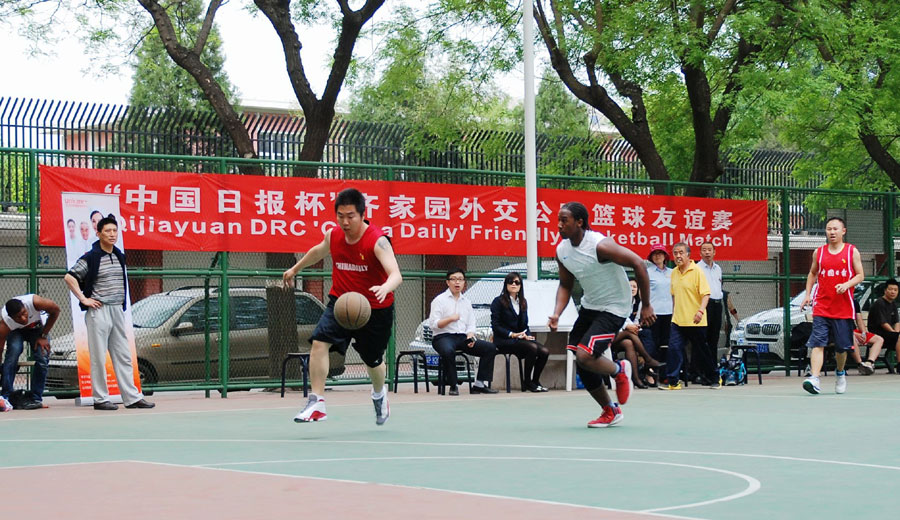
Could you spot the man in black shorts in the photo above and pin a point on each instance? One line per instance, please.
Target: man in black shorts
(364, 262)
(596, 261)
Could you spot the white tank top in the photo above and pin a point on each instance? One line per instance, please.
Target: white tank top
(34, 315)
(605, 284)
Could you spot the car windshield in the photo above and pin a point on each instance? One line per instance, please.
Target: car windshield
(153, 310)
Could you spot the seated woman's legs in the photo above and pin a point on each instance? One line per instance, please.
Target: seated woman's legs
(624, 341)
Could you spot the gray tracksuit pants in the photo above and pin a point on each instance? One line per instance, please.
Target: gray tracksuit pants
(106, 332)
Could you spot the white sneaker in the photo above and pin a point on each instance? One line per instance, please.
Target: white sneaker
(382, 407)
(840, 383)
(314, 410)
(5, 406)
(811, 385)
(866, 368)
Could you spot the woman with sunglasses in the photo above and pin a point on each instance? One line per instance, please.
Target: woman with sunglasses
(509, 319)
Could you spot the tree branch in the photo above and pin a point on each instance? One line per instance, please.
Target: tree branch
(206, 28)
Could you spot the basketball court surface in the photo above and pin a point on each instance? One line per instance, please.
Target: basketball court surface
(769, 451)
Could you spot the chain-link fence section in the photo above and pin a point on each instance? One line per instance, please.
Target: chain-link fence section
(180, 312)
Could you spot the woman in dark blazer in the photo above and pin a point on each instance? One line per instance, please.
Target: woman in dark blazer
(509, 319)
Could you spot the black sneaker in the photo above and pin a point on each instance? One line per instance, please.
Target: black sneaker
(482, 390)
(105, 405)
(32, 405)
(453, 390)
(140, 404)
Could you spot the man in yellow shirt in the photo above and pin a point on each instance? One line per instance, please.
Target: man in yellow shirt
(690, 293)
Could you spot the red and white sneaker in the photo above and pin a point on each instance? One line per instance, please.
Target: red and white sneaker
(314, 410)
(624, 385)
(611, 415)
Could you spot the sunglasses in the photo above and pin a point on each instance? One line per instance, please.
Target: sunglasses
(514, 282)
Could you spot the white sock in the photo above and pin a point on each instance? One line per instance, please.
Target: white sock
(318, 397)
(378, 395)
(480, 384)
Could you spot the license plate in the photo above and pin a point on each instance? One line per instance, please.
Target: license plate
(762, 347)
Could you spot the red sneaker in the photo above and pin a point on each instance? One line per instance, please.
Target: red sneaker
(611, 415)
(624, 385)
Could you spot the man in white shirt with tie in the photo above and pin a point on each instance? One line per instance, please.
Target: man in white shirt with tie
(452, 323)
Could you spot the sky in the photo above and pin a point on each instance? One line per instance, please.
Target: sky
(254, 63)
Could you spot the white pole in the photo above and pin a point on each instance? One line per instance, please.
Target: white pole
(530, 146)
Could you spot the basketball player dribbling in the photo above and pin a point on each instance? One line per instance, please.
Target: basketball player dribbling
(364, 262)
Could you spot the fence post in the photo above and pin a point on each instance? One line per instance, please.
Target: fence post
(786, 263)
(224, 314)
(889, 235)
(32, 222)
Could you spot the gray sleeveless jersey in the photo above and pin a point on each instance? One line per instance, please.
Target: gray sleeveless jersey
(605, 284)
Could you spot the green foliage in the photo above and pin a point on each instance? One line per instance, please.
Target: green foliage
(428, 86)
(836, 95)
(160, 82)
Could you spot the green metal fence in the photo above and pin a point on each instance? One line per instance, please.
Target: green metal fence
(227, 343)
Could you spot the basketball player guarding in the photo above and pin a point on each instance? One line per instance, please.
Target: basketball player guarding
(597, 261)
(835, 270)
(364, 262)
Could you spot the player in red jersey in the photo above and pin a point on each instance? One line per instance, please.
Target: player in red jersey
(363, 261)
(836, 269)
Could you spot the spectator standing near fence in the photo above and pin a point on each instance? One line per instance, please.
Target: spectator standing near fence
(883, 319)
(836, 269)
(690, 292)
(597, 262)
(657, 335)
(23, 320)
(98, 281)
(714, 308)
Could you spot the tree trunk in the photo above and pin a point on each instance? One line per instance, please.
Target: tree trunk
(881, 156)
(707, 167)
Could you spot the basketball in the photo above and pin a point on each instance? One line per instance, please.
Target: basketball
(352, 310)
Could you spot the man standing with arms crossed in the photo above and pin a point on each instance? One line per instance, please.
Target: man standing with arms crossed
(596, 261)
(836, 269)
(364, 262)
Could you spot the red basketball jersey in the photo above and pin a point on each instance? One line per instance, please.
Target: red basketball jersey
(355, 267)
(834, 269)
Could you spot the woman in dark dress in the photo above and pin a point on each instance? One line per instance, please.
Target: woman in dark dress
(509, 319)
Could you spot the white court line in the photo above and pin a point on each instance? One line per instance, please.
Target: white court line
(460, 445)
(404, 486)
(156, 412)
(753, 484)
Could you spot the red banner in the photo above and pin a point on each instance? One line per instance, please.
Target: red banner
(208, 212)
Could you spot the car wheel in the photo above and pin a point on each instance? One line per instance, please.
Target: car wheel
(147, 372)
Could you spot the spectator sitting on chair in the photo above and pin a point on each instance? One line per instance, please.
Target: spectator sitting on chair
(861, 337)
(628, 340)
(452, 322)
(22, 320)
(509, 321)
(883, 318)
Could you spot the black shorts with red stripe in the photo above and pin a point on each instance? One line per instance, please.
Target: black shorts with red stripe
(594, 331)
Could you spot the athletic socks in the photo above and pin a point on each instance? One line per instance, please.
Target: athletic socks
(618, 369)
(379, 395)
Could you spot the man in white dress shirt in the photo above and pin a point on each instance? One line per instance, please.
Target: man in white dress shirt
(714, 308)
(452, 323)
